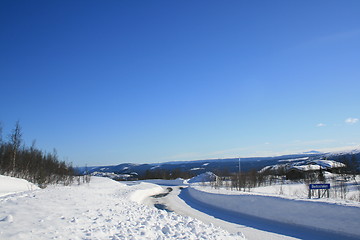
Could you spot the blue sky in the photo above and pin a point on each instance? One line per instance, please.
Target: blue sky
(152, 81)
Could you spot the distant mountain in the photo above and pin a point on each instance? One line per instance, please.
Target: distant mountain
(312, 152)
(220, 165)
(343, 153)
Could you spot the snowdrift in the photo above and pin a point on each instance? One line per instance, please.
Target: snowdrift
(145, 190)
(10, 185)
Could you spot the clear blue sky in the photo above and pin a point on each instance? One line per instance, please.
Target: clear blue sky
(106, 82)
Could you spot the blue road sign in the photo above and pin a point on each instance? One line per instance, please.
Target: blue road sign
(320, 186)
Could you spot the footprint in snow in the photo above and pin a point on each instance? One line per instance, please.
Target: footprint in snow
(8, 218)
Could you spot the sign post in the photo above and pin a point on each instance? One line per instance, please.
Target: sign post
(319, 187)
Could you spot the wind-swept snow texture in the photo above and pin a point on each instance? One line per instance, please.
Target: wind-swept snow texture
(326, 217)
(99, 210)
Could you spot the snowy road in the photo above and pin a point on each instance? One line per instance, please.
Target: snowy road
(186, 207)
(104, 209)
(181, 202)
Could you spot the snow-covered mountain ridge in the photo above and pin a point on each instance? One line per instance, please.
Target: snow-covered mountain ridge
(213, 165)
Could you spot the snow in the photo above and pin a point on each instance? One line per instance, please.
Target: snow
(10, 185)
(195, 169)
(303, 164)
(347, 150)
(204, 177)
(308, 214)
(264, 169)
(264, 214)
(294, 159)
(102, 209)
(178, 202)
(105, 209)
(305, 168)
(328, 163)
(145, 190)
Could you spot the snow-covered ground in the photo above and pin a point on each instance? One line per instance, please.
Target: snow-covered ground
(10, 185)
(184, 205)
(263, 213)
(103, 209)
(292, 190)
(319, 219)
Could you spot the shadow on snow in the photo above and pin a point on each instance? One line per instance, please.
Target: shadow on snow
(263, 224)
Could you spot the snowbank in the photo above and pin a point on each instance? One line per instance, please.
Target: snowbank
(145, 190)
(322, 216)
(102, 209)
(10, 185)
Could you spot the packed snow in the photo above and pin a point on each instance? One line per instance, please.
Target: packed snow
(303, 213)
(280, 211)
(184, 205)
(102, 209)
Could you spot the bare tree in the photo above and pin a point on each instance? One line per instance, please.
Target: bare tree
(1, 129)
(15, 142)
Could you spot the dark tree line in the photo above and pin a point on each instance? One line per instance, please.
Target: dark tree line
(339, 181)
(30, 163)
(166, 174)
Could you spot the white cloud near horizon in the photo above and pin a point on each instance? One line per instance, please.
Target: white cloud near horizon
(351, 120)
(321, 125)
(266, 149)
(264, 152)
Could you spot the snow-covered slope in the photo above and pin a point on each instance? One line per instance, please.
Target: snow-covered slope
(229, 164)
(303, 164)
(10, 185)
(102, 209)
(344, 152)
(328, 164)
(197, 166)
(204, 177)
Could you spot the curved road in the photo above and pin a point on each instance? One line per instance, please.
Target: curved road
(179, 201)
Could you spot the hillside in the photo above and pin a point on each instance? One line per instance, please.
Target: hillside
(219, 165)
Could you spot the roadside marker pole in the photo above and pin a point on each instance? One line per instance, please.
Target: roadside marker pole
(239, 167)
